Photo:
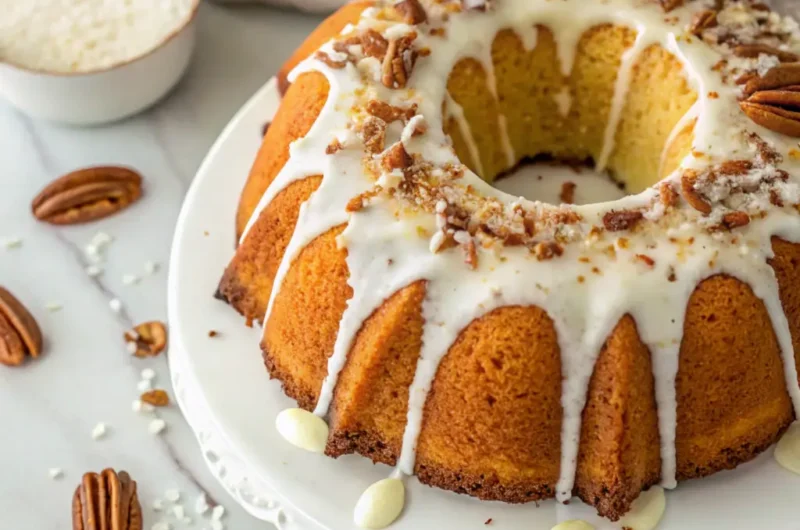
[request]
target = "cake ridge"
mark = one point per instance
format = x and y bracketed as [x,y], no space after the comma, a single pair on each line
[650,273]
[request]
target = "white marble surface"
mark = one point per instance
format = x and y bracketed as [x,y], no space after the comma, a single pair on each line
[49,407]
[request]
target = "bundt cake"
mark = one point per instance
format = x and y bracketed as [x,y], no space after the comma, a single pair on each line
[503,347]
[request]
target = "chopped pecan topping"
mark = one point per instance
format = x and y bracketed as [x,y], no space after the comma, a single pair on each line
[702,21]
[775,198]
[616,221]
[546,250]
[359,202]
[373,132]
[647,260]
[734,167]
[691,195]
[390,113]
[733,220]
[396,158]
[412,11]
[753,51]
[567,195]
[399,61]
[334,147]
[668,194]
[327,59]
[374,44]
[669,5]
[471,254]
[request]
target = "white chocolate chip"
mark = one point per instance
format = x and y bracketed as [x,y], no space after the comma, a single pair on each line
[787,452]
[99,431]
[156,427]
[115,305]
[218,512]
[55,473]
[647,510]
[178,511]
[53,306]
[201,504]
[380,504]
[144,385]
[303,429]
[172,495]
[148,374]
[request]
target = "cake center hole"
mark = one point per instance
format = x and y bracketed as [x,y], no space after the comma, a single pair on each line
[556,183]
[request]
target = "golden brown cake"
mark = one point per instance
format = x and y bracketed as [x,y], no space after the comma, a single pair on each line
[503,347]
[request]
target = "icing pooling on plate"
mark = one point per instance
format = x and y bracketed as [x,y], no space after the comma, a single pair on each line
[385,253]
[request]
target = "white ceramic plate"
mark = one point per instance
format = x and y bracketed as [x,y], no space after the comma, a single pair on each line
[227,397]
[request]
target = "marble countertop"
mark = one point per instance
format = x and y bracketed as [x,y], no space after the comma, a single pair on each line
[49,407]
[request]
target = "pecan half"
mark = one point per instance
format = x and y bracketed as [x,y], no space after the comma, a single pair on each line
[783,75]
[773,117]
[149,339]
[19,333]
[752,51]
[87,194]
[106,501]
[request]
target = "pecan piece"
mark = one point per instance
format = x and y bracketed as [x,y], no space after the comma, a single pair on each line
[691,195]
[330,61]
[412,11]
[106,501]
[702,21]
[619,220]
[396,158]
[752,51]
[399,62]
[669,5]
[373,132]
[147,339]
[157,398]
[736,219]
[19,333]
[87,194]
[390,113]
[374,44]
[567,195]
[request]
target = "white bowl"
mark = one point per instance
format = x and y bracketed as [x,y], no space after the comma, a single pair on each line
[86,98]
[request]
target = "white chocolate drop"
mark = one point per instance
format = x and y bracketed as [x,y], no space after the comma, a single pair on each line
[380,504]
[787,452]
[303,429]
[647,510]
[573,524]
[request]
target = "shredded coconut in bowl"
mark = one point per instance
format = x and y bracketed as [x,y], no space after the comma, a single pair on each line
[74,36]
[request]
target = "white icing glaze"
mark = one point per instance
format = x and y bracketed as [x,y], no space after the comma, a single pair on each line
[385,253]
[787,451]
[646,511]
